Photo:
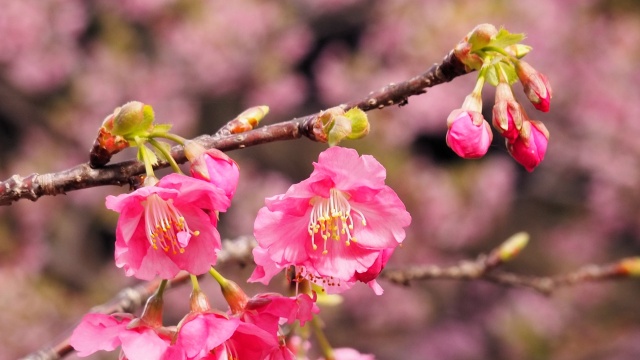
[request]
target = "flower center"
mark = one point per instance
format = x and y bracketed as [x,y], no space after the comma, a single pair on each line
[331,218]
[165,225]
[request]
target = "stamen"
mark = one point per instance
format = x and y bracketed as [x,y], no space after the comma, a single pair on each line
[163,224]
[332,219]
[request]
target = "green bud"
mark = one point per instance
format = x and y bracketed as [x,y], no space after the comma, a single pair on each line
[359,123]
[630,266]
[132,117]
[512,246]
[518,50]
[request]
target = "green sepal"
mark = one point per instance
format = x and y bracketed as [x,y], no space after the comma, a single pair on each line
[493,78]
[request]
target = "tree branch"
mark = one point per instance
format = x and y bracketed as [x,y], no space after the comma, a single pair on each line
[82,176]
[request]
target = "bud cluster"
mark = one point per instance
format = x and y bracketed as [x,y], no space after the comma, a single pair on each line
[496,54]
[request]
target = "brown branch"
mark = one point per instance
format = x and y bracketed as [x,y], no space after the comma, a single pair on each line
[482,269]
[82,176]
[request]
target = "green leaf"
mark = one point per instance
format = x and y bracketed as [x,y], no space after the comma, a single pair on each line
[491,76]
[509,71]
[504,38]
[161,128]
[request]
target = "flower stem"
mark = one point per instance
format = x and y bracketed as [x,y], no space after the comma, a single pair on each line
[194,282]
[173,137]
[161,288]
[148,167]
[218,277]
[167,155]
[323,342]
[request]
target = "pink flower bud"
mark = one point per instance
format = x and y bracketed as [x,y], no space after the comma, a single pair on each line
[507,113]
[536,86]
[213,166]
[469,135]
[529,148]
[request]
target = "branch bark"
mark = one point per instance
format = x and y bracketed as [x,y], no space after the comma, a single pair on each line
[82,176]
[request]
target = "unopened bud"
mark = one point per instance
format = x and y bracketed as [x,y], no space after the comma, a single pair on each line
[249,119]
[213,166]
[481,36]
[507,113]
[531,146]
[478,38]
[132,117]
[512,246]
[536,86]
[334,125]
[630,266]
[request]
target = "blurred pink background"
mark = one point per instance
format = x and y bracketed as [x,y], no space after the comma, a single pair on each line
[66,64]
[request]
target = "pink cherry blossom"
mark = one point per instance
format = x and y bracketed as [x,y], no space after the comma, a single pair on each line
[469,135]
[202,332]
[266,310]
[529,151]
[168,227]
[216,167]
[332,225]
[107,332]
[350,354]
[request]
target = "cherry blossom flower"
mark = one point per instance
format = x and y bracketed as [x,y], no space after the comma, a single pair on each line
[106,332]
[332,225]
[202,332]
[168,227]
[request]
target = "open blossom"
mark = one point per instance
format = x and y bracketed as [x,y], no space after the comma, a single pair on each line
[107,332]
[168,227]
[530,147]
[469,135]
[333,225]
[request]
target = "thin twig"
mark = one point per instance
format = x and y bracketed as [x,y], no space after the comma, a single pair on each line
[82,176]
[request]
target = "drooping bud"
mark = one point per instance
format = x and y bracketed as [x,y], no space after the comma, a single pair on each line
[507,113]
[530,147]
[132,117]
[536,86]
[469,135]
[214,166]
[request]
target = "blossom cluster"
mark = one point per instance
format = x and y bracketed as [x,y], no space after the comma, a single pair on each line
[336,228]
[496,54]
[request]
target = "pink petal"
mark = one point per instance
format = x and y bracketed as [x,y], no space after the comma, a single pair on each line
[97,332]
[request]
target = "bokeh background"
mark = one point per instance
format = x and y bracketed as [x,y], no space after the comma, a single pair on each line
[66,64]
